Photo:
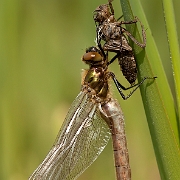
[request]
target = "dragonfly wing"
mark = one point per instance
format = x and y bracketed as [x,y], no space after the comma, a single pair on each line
[81,139]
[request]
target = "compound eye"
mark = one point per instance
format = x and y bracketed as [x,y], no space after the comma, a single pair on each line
[92,56]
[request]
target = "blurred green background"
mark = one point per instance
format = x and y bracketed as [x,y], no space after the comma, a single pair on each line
[41,45]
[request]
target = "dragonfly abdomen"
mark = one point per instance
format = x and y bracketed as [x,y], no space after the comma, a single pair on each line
[115,120]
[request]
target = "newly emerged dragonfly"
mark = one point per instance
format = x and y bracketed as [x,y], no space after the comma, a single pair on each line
[111,31]
[92,118]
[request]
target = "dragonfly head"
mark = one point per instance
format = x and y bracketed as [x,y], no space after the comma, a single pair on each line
[101,13]
[92,56]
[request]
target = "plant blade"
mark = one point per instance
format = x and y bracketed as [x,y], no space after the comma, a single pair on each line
[157,99]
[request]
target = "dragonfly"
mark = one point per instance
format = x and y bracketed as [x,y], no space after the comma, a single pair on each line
[92,119]
[111,31]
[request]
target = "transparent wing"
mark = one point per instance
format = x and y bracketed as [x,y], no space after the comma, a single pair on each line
[81,139]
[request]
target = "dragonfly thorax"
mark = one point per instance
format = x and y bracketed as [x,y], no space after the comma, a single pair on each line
[96,79]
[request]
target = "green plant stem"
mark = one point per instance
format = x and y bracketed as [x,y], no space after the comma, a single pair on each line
[173,47]
[157,98]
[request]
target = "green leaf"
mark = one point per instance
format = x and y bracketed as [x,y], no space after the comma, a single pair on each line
[157,98]
[173,46]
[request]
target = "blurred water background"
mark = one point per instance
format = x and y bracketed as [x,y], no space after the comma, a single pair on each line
[41,45]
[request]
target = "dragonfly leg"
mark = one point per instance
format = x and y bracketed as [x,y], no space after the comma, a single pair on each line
[120,87]
[143,44]
[114,58]
[111,6]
